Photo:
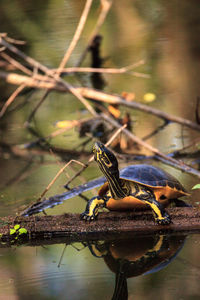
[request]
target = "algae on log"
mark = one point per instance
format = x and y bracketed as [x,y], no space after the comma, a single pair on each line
[108,223]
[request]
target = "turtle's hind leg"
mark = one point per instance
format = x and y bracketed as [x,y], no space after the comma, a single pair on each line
[160,215]
[92,208]
[147,196]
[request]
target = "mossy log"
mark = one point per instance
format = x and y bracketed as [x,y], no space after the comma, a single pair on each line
[70,228]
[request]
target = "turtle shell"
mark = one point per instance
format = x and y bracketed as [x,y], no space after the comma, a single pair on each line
[151,176]
[164,186]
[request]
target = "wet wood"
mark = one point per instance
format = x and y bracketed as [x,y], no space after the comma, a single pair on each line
[109,223]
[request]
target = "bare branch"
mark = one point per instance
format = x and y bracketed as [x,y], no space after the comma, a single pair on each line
[171,161]
[105,7]
[76,36]
[27,58]
[106,70]
[56,177]
[16,64]
[72,124]
[84,92]
[11,99]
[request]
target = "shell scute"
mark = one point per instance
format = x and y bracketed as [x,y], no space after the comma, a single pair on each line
[151,176]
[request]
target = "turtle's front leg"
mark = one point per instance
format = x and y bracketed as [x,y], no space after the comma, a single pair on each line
[92,208]
[160,214]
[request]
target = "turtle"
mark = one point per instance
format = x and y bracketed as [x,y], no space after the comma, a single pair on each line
[136,187]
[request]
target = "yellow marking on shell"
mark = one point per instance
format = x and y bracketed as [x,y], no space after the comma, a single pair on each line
[156,210]
[94,206]
[140,192]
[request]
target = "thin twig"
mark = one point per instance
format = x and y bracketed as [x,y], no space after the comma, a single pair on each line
[16,64]
[11,99]
[92,157]
[194,143]
[89,93]
[56,177]
[105,7]
[172,161]
[76,36]
[114,136]
[36,108]
[155,131]
[55,133]
[101,70]
[46,70]
[63,252]
[67,55]
[39,81]
[25,70]
[105,70]
[14,41]
[27,58]
[38,65]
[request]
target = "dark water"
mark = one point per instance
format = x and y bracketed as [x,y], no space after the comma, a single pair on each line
[141,267]
[166,35]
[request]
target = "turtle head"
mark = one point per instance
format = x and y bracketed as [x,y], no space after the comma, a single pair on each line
[106,160]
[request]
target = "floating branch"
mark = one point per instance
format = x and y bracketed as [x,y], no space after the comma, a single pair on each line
[52,201]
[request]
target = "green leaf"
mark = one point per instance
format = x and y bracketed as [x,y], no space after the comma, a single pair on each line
[22,231]
[196,186]
[16,227]
[12,231]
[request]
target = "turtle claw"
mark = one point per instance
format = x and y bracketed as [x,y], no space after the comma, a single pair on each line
[165,220]
[84,216]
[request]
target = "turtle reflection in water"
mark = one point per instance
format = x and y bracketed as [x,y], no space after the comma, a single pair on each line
[136,187]
[136,256]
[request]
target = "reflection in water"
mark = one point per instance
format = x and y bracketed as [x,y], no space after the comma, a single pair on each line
[57,272]
[136,256]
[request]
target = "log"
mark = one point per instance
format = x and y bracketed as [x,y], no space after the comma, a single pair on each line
[71,228]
